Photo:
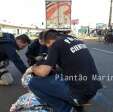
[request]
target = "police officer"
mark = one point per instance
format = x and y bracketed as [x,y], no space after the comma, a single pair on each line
[73,57]
[36,49]
[8,47]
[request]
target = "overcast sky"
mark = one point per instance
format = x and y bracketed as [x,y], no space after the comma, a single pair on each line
[27,12]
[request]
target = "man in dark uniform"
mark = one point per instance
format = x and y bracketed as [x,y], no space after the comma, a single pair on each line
[8,47]
[36,49]
[75,60]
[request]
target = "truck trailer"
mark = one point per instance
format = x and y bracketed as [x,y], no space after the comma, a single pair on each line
[58,14]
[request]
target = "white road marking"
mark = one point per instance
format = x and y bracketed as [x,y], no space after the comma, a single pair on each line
[104,51]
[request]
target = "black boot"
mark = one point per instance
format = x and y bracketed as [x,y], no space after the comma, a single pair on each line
[79,109]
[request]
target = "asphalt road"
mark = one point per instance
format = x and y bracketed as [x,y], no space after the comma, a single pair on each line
[103,56]
[9,94]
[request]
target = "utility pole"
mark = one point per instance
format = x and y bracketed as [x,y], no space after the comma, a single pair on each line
[110,14]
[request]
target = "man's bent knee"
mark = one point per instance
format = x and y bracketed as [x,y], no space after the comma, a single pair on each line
[35,83]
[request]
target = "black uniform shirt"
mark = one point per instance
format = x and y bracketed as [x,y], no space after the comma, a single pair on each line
[74,58]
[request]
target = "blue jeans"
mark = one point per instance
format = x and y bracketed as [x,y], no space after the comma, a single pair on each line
[54,92]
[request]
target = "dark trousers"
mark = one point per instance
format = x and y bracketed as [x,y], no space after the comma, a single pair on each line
[54,92]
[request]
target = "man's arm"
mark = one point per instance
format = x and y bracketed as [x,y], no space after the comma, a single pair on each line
[33,49]
[32,52]
[14,57]
[42,70]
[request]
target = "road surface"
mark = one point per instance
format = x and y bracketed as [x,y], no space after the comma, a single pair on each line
[103,56]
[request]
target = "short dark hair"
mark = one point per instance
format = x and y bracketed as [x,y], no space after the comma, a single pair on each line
[24,38]
[50,34]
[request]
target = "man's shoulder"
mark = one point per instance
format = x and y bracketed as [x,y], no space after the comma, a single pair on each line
[7,38]
[59,42]
[68,40]
[34,43]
